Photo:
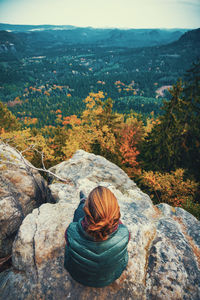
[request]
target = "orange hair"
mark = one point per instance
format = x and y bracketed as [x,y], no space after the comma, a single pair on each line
[102,213]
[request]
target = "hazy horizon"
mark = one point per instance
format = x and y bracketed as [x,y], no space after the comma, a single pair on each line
[108,27]
[126,14]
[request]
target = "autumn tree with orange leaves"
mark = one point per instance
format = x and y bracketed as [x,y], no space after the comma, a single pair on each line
[131,133]
[104,132]
[96,129]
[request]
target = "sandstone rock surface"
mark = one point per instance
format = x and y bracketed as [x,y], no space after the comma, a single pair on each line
[21,190]
[164,250]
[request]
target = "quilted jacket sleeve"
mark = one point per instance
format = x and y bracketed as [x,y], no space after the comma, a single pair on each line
[79,212]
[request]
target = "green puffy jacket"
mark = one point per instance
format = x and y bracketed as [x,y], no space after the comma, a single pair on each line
[92,263]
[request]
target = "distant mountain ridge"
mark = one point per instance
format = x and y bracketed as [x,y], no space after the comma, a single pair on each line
[192,35]
[25,28]
[189,41]
[130,38]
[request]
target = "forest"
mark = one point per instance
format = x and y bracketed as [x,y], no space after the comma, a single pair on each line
[137,107]
[36,80]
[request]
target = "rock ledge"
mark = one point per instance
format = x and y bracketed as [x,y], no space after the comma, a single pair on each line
[164,249]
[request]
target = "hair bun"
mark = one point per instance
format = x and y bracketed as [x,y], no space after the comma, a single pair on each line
[102,212]
[104,227]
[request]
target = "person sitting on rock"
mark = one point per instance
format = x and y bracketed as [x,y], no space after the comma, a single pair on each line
[96,241]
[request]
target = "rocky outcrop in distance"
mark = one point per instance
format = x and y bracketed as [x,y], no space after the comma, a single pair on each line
[164,250]
[21,190]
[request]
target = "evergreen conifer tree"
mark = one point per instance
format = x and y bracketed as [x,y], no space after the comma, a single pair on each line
[174,141]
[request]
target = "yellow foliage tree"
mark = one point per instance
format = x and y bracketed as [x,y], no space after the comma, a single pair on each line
[170,187]
[96,129]
[30,145]
[8,121]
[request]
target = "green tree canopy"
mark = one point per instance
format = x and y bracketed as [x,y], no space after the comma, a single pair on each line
[174,142]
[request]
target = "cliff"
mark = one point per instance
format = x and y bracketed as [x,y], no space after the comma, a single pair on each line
[164,250]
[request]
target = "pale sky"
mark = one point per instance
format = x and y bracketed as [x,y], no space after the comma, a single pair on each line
[103,13]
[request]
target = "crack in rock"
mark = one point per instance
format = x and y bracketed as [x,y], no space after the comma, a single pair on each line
[34,251]
[147,249]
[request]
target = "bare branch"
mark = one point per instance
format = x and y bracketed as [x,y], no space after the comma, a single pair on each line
[29,165]
[39,169]
[42,158]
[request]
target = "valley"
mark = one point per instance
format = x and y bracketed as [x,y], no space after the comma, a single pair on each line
[38,77]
